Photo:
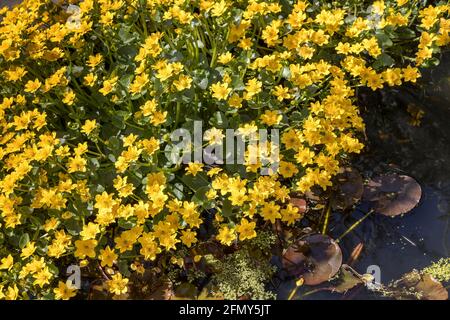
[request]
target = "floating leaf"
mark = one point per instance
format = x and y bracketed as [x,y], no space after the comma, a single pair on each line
[393,194]
[316,258]
[349,189]
[347,280]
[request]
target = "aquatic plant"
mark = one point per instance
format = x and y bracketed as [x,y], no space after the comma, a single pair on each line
[440,270]
[90,92]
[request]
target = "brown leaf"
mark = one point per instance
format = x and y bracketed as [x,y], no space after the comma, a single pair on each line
[347,280]
[315,258]
[431,289]
[348,190]
[393,194]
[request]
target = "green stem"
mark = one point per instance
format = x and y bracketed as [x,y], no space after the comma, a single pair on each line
[354,226]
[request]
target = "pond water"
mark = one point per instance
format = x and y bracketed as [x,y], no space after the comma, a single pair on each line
[398,245]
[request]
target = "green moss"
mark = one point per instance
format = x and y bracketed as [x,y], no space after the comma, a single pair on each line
[439,270]
[246,272]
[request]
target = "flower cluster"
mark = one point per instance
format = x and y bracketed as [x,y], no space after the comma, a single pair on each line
[91,90]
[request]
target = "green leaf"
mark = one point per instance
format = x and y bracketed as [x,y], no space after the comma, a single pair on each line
[383,40]
[123,268]
[195,182]
[219,120]
[118,121]
[298,116]
[177,190]
[126,224]
[432,62]
[24,239]
[227,208]
[114,143]
[383,60]
[72,226]
[405,34]
[200,197]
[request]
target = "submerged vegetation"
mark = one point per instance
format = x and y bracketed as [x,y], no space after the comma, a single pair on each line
[92,90]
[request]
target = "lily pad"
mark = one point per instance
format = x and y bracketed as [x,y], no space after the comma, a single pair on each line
[349,189]
[393,194]
[347,280]
[315,258]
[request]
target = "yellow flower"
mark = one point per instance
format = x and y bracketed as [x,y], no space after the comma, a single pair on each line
[107,257]
[12,293]
[220,90]
[89,231]
[89,79]
[42,277]
[290,214]
[125,241]
[7,263]
[225,58]
[214,136]
[85,248]
[149,246]
[51,224]
[69,97]
[89,126]
[94,60]
[226,235]
[252,88]
[104,202]
[77,164]
[108,86]
[291,139]
[188,237]
[235,101]
[158,118]
[139,82]
[149,107]
[271,117]
[64,291]
[219,8]
[270,33]
[183,82]
[32,86]
[246,230]
[304,156]
[281,93]
[410,74]
[28,250]
[270,212]
[287,169]
[169,243]
[213,171]
[117,285]
[193,168]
